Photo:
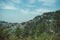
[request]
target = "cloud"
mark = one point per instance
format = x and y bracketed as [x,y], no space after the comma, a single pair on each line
[24,11]
[4,5]
[9,7]
[27,10]
[37,11]
[16,1]
[41,10]
[47,2]
[30,6]
[32,1]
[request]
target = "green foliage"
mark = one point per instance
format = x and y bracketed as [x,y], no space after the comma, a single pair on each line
[45,28]
[19,32]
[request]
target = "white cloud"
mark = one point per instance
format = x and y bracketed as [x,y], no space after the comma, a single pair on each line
[16,1]
[32,1]
[6,6]
[41,10]
[37,11]
[30,6]
[9,7]
[24,11]
[48,2]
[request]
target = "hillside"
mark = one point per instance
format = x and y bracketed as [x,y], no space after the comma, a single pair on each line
[42,27]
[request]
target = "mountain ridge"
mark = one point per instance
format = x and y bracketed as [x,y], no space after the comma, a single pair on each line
[46,24]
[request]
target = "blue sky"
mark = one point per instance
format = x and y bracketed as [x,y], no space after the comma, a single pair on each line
[24,10]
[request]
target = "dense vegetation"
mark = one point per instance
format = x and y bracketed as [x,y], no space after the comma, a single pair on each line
[42,27]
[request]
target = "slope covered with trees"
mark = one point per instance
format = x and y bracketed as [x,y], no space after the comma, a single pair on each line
[42,27]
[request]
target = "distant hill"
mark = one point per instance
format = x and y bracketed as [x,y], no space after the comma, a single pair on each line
[47,23]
